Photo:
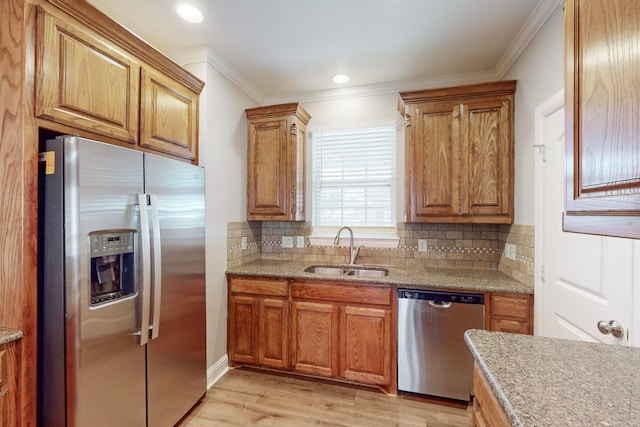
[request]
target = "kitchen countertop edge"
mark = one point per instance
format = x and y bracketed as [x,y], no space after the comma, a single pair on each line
[8,335]
[495,387]
[412,276]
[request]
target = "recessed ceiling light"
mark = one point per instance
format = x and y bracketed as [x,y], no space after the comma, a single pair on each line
[189,13]
[340,79]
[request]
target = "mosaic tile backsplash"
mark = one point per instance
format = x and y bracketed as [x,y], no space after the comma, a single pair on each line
[468,246]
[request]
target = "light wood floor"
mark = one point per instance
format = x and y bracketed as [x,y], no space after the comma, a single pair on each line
[248,398]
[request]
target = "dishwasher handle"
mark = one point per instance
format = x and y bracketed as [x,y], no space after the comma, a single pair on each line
[439,304]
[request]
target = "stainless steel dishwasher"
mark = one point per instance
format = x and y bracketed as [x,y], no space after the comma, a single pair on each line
[433,358]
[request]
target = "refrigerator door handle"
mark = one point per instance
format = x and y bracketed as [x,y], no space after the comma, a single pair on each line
[146,269]
[157,267]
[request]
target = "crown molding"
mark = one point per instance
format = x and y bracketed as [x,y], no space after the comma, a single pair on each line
[385,88]
[536,20]
[200,54]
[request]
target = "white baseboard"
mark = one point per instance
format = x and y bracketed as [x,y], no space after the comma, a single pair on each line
[215,372]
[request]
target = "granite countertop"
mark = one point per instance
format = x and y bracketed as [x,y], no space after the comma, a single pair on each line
[554,382]
[7,335]
[414,276]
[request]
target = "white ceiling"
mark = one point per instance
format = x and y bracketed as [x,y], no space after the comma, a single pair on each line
[279,49]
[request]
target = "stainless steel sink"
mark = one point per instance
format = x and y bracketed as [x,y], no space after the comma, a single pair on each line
[347,270]
[368,272]
[325,270]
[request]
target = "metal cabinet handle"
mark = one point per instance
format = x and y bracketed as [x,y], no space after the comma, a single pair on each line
[612,327]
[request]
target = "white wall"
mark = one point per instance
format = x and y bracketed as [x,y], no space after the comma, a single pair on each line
[223,153]
[540,74]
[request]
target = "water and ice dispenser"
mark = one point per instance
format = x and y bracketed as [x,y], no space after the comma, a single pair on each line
[112,265]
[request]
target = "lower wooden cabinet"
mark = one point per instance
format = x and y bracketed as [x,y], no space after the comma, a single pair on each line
[314,338]
[273,336]
[366,344]
[510,313]
[258,323]
[341,330]
[487,412]
[350,342]
[329,329]
[9,384]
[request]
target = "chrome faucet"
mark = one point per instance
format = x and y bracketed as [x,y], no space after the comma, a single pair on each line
[353,252]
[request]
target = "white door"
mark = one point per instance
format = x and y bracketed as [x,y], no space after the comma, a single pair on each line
[580,279]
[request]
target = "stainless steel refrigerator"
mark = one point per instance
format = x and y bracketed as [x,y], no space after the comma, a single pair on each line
[122,287]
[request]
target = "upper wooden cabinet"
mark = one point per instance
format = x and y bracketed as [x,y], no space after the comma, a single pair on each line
[276,162]
[459,153]
[168,115]
[86,80]
[601,103]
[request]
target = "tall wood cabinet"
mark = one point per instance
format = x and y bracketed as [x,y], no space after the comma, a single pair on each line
[602,58]
[276,162]
[460,153]
[67,68]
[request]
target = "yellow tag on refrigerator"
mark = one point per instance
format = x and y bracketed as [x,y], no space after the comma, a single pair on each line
[50,162]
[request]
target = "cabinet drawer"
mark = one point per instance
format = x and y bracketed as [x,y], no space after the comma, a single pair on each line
[510,325]
[513,306]
[342,293]
[258,286]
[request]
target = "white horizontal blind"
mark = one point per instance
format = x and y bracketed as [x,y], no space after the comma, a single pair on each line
[354,174]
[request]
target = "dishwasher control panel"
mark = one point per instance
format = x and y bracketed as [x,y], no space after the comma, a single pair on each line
[456,297]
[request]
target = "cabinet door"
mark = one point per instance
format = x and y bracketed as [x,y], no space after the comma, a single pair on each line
[274,333]
[84,81]
[602,58]
[297,153]
[9,384]
[314,338]
[365,347]
[486,407]
[267,170]
[168,116]
[487,160]
[243,329]
[433,187]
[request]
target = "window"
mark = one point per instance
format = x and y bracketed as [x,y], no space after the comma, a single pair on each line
[354,178]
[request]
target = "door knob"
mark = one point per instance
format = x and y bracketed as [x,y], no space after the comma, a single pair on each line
[612,327]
